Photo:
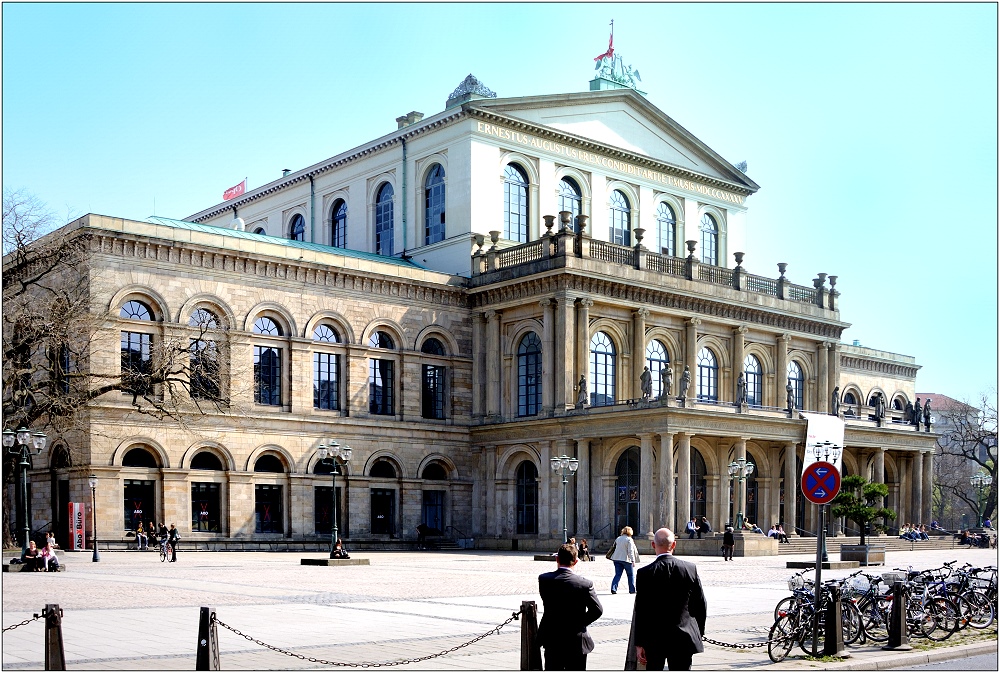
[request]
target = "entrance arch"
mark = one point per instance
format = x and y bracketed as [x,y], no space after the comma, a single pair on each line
[627,492]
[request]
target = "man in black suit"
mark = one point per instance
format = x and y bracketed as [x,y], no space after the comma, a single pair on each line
[569,605]
[670,609]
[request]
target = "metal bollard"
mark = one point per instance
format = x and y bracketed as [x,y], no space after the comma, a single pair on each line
[898,638]
[208,642]
[55,658]
[833,641]
[531,653]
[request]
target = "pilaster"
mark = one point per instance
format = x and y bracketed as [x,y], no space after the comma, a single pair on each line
[639,317]
[582,488]
[823,378]
[493,363]
[683,514]
[478,362]
[691,355]
[548,359]
[667,488]
[582,339]
[791,488]
[646,500]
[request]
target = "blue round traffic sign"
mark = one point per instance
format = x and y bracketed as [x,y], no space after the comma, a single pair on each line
[820,482]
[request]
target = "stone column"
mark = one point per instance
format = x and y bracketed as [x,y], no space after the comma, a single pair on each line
[823,387]
[774,501]
[490,477]
[478,353]
[241,504]
[834,356]
[582,488]
[739,348]
[493,364]
[917,487]
[904,484]
[667,488]
[740,499]
[928,487]
[716,502]
[582,341]
[647,499]
[548,357]
[691,356]
[683,514]
[638,350]
[563,349]
[879,476]
[781,371]
[546,503]
[791,487]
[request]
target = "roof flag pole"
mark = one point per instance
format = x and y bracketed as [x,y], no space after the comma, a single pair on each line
[611,42]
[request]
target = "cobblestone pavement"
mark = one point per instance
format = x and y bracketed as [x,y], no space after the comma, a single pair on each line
[131,611]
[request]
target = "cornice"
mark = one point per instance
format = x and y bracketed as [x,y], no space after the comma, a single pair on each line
[877,366]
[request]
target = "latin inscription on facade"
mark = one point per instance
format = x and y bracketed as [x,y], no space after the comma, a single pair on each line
[529,140]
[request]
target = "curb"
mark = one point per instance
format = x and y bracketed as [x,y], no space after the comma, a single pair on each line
[915,658]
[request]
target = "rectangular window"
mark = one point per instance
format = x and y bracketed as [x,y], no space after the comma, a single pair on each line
[326,367]
[383,508]
[59,365]
[205,514]
[433,511]
[433,392]
[205,375]
[267,375]
[136,362]
[380,384]
[267,509]
[323,506]
[139,499]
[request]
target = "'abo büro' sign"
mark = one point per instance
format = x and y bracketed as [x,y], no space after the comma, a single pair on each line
[820,482]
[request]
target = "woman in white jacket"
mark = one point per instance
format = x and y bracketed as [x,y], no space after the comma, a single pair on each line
[625,557]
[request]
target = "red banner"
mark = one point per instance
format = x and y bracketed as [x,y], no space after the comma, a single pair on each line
[233,192]
[610,51]
[77,521]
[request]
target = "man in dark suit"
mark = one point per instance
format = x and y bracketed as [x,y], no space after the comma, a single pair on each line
[569,605]
[670,609]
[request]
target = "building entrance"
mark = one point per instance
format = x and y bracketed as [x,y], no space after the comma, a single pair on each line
[139,502]
[627,490]
[383,511]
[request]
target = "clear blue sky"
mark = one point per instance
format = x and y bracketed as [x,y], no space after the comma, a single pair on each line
[872,129]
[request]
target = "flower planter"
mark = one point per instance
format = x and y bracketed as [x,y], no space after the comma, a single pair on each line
[865,554]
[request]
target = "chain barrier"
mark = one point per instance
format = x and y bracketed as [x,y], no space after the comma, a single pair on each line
[737,646]
[366,664]
[26,621]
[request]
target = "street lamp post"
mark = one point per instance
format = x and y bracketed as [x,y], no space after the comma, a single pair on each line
[329,455]
[93,509]
[829,452]
[24,439]
[740,469]
[564,466]
[980,481]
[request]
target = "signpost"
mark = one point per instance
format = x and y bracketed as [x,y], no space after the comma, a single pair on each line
[820,484]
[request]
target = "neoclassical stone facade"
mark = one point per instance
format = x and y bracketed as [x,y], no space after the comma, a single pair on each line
[435,299]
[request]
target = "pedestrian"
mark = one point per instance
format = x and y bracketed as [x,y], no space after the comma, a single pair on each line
[569,606]
[691,528]
[728,543]
[173,537]
[704,527]
[625,556]
[670,609]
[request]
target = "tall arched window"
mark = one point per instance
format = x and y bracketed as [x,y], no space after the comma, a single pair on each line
[570,198]
[602,370]
[434,205]
[621,219]
[526,498]
[755,386]
[666,229]
[136,349]
[267,364]
[708,376]
[297,228]
[656,359]
[627,490]
[383,221]
[338,223]
[709,240]
[797,381]
[381,381]
[432,388]
[515,204]
[699,485]
[326,370]
[205,373]
[529,375]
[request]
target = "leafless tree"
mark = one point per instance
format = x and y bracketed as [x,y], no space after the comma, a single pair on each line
[968,444]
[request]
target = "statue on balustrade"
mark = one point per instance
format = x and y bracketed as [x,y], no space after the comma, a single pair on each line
[917,412]
[581,396]
[646,383]
[927,416]
[835,401]
[909,411]
[741,390]
[879,408]
[789,396]
[685,382]
[666,382]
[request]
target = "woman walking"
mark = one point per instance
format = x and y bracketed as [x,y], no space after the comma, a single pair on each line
[728,542]
[173,537]
[625,556]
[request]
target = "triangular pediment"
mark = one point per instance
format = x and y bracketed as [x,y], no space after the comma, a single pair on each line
[625,120]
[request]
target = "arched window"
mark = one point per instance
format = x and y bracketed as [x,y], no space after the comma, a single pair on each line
[708,376]
[382,469]
[434,205]
[297,229]
[206,460]
[849,398]
[204,319]
[627,490]
[699,485]
[267,364]
[797,381]
[260,230]
[529,375]
[205,374]
[326,334]
[432,346]
[709,240]
[381,379]
[264,325]
[621,219]
[268,463]
[383,221]
[435,471]
[432,393]
[338,222]
[139,457]
[515,204]
[602,370]
[755,386]
[526,498]
[326,370]
[657,360]
[136,310]
[666,229]
[570,198]
[898,404]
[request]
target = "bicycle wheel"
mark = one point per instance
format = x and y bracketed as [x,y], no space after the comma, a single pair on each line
[806,633]
[981,612]
[875,620]
[942,618]
[163,553]
[780,638]
[785,605]
[850,619]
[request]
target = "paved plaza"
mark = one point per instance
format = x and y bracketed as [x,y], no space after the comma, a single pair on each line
[131,611]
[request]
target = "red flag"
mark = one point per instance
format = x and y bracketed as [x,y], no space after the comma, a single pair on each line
[233,192]
[611,49]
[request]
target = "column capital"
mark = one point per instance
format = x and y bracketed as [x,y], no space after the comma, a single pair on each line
[546,302]
[584,302]
[641,313]
[491,314]
[693,322]
[785,337]
[741,329]
[825,345]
